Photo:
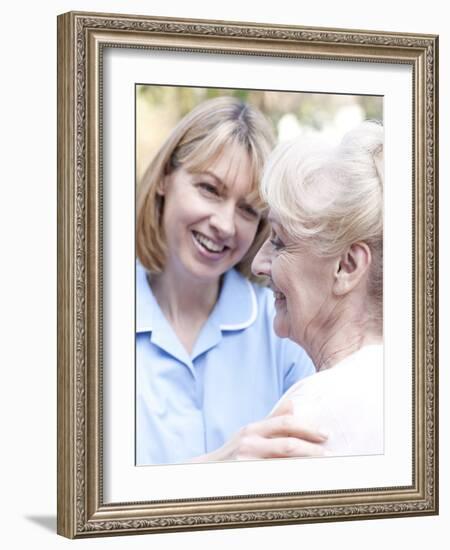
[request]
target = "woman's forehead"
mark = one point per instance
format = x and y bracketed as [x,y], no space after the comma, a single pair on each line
[208,158]
[234,162]
[231,166]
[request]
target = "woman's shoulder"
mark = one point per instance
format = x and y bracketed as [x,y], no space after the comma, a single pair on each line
[362,369]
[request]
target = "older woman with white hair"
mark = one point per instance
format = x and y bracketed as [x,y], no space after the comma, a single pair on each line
[324,260]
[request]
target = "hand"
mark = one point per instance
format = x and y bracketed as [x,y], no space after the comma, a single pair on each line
[281,435]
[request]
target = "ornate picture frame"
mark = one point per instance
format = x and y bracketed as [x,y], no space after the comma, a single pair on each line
[83,39]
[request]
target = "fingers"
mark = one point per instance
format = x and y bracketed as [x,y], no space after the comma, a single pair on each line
[281,447]
[274,437]
[287,426]
[279,436]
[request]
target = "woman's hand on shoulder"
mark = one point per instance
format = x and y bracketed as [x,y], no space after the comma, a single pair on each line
[281,435]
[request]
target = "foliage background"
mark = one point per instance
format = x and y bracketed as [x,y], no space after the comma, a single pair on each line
[159,108]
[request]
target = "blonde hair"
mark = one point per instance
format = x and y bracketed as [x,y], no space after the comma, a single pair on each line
[330,197]
[195,143]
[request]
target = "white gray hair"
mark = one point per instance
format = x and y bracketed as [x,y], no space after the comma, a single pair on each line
[328,197]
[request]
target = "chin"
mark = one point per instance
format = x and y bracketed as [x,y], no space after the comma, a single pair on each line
[280,327]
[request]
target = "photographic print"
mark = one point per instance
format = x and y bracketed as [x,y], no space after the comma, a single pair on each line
[211,371]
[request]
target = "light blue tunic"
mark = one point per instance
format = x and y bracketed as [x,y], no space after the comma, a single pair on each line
[189,405]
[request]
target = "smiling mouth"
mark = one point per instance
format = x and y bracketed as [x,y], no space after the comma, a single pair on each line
[279,296]
[208,244]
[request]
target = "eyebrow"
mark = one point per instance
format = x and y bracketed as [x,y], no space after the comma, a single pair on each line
[212,175]
[220,182]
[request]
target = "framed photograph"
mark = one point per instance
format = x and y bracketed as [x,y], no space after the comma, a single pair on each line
[177,141]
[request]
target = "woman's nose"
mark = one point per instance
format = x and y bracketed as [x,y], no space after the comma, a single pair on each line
[261,265]
[223,221]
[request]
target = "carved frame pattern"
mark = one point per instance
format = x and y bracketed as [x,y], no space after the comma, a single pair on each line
[81,37]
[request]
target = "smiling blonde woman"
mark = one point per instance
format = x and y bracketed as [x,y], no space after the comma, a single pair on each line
[208,366]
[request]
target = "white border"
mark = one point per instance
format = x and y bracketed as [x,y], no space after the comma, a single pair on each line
[123,482]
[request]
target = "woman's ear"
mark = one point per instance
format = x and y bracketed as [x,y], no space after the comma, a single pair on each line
[351,267]
[162,185]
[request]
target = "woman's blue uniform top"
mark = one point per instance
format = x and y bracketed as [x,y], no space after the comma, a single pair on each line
[189,405]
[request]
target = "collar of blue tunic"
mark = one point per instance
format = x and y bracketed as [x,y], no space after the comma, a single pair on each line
[236,309]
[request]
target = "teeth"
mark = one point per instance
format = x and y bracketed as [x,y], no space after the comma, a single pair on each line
[208,243]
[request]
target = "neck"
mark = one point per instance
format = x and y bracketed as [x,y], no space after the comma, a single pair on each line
[184,301]
[346,331]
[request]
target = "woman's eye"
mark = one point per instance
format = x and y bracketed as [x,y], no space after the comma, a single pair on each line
[250,210]
[208,188]
[276,242]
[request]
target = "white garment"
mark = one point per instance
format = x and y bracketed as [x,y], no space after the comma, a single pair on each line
[346,403]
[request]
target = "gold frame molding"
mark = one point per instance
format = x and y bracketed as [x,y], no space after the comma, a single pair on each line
[81,39]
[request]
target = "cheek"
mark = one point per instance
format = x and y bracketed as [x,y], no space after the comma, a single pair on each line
[191,210]
[281,322]
[280,270]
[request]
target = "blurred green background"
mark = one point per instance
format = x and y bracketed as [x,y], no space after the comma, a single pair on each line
[159,108]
